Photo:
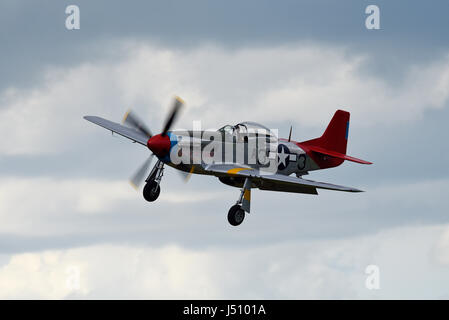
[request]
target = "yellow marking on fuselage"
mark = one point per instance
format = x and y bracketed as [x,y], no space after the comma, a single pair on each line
[237,170]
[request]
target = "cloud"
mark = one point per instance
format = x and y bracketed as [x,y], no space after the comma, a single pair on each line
[59,219]
[300,83]
[323,269]
[61,213]
[24,202]
[441,249]
[181,247]
[51,207]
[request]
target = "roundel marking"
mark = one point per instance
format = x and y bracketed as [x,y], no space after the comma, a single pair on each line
[283,156]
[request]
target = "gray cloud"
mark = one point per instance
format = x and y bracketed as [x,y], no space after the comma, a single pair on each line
[33,35]
[297,269]
[64,199]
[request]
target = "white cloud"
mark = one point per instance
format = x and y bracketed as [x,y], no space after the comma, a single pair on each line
[50,206]
[306,269]
[43,276]
[24,202]
[304,84]
[272,264]
[77,210]
[441,249]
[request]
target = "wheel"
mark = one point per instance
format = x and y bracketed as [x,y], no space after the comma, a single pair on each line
[151,191]
[236,215]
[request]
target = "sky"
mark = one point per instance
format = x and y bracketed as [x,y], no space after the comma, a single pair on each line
[71,225]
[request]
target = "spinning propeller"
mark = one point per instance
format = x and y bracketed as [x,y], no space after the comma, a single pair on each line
[159,144]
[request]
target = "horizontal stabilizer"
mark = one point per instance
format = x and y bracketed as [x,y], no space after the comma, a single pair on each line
[336,154]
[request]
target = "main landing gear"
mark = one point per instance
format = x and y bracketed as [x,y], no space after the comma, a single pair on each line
[152,187]
[236,214]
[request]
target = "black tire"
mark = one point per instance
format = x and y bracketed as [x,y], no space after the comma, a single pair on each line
[236,215]
[151,191]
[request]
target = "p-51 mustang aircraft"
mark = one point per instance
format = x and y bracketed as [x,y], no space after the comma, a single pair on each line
[247,155]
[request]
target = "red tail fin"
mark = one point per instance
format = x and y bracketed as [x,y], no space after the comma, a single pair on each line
[332,143]
[335,138]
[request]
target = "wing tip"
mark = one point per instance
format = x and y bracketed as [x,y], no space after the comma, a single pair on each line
[126,116]
[135,187]
[89,118]
[179,99]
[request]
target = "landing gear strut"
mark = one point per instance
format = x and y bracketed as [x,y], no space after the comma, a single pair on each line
[152,189]
[236,214]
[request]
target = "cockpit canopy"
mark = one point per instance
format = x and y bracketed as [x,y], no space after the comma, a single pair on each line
[247,129]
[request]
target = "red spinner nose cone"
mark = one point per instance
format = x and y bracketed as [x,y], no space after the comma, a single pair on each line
[159,145]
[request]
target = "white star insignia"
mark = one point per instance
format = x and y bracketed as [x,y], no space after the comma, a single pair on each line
[282,157]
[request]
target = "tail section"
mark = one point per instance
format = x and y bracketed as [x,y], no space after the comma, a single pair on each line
[335,138]
[329,150]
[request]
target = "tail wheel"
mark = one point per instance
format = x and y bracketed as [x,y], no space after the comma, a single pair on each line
[236,215]
[151,191]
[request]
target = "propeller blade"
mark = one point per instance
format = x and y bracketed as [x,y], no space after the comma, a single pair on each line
[173,114]
[137,178]
[186,175]
[290,134]
[132,120]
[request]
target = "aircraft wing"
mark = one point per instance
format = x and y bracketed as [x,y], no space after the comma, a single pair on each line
[129,133]
[274,182]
